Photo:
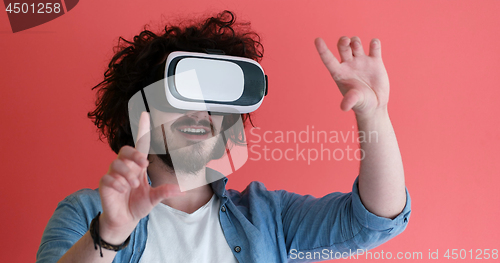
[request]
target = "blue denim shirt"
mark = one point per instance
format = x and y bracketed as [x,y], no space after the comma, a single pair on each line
[259,225]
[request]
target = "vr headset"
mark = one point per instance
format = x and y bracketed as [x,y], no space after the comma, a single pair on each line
[216,83]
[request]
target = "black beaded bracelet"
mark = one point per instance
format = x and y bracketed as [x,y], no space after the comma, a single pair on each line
[94,233]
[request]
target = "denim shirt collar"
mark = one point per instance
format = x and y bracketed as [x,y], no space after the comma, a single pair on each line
[218,182]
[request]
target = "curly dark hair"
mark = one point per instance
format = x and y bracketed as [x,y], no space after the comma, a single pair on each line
[134,60]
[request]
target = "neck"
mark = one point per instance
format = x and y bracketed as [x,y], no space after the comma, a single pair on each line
[197,191]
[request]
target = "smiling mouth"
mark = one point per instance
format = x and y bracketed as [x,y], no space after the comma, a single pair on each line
[193,131]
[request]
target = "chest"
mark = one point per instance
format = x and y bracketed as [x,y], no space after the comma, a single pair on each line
[176,236]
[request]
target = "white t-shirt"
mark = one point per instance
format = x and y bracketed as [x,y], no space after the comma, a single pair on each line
[176,236]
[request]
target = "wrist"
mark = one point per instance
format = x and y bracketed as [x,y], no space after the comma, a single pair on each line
[113,234]
[99,243]
[373,115]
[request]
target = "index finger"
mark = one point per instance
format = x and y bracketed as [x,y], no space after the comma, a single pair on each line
[143,134]
[326,55]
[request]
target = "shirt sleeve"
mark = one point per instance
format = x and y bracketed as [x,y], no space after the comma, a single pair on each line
[338,222]
[67,225]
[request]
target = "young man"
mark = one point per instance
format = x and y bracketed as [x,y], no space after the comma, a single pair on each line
[140,211]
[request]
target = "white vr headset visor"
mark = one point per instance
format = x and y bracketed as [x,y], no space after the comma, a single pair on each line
[215,83]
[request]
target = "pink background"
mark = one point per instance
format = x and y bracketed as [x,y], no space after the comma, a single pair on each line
[443,60]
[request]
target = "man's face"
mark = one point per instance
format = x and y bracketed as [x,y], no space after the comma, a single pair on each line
[185,141]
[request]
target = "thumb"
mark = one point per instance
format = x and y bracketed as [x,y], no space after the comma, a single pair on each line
[164,191]
[353,98]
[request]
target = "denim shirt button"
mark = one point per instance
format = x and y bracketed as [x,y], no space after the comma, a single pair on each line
[237,249]
[223,209]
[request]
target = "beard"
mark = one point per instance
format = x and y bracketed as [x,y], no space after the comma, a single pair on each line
[185,156]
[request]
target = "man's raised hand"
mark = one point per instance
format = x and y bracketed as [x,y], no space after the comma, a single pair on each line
[362,79]
[126,195]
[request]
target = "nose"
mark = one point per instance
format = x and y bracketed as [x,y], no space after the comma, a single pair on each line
[198,115]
